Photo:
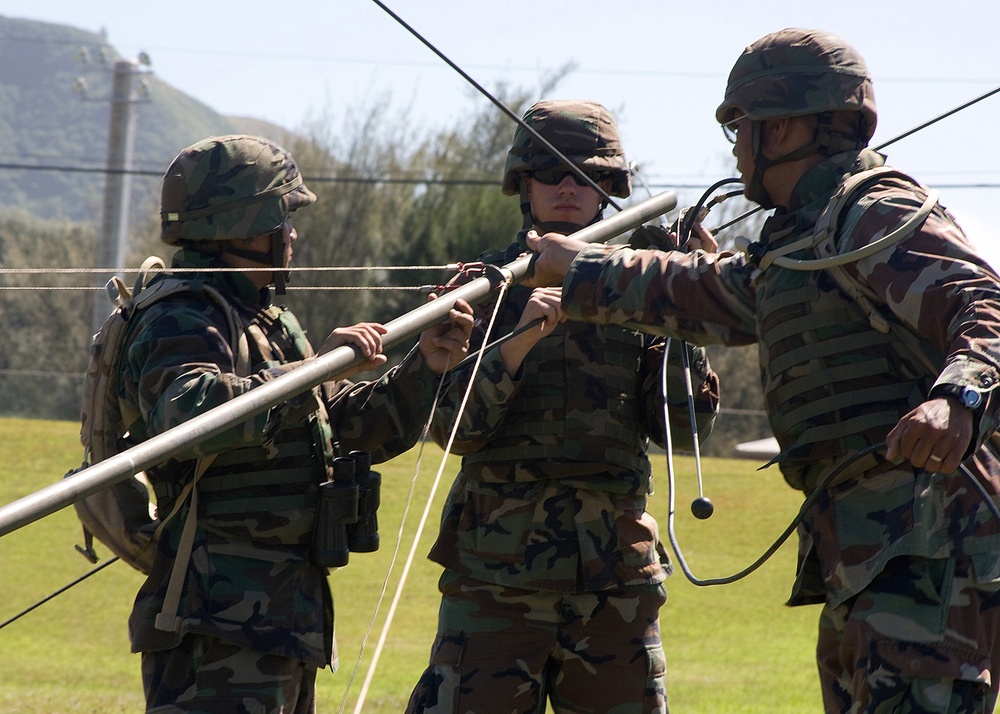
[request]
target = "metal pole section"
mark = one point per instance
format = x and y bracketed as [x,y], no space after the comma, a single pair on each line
[55,496]
[113,238]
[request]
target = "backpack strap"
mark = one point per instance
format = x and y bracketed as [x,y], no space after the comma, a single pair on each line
[167,619]
[828,226]
[110,515]
[824,236]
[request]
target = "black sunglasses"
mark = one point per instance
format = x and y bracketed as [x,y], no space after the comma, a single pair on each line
[554,177]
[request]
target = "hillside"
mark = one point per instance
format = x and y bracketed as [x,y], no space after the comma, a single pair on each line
[44,122]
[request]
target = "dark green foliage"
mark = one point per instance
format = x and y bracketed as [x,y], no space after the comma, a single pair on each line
[45,353]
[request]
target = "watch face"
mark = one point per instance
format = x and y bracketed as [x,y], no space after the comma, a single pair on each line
[971,397]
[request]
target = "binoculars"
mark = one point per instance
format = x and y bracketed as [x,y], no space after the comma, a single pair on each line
[346,516]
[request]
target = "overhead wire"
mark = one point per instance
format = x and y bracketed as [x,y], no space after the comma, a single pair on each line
[664,183]
[423,181]
[887,143]
[362,696]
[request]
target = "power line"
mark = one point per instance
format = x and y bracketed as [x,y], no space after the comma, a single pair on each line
[405,180]
[534,69]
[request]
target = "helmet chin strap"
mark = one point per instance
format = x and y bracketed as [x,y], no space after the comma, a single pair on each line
[274,257]
[564,227]
[281,277]
[755,190]
[825,141]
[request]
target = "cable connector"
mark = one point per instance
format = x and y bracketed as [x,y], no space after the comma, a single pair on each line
[463,273]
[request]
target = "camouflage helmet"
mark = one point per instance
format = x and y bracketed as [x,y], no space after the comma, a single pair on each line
[584,131]
[229,188]
[797,72]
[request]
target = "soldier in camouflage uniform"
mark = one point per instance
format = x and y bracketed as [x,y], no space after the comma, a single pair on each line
[878,369]
[255,616]
[553,569]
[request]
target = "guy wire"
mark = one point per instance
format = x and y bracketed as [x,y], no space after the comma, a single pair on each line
[884,144]
[359,705]
[502,107]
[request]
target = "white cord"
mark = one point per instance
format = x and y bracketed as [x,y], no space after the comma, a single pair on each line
[363,695]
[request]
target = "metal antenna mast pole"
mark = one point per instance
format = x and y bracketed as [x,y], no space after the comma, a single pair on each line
[79,485]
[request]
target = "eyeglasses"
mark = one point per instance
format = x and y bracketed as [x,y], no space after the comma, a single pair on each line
[731,128]
[554,177]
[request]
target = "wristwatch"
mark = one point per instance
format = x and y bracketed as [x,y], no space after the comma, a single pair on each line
[970,397]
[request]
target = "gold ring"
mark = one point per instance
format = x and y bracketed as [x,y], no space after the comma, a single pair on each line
[934,458]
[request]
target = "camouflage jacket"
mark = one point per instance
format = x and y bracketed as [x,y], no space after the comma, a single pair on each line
[834,385]
[552,492]
[249,580]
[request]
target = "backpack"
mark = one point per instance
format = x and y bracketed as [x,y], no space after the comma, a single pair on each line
[122,516]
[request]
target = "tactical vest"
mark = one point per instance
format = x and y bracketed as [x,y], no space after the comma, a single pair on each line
[831,383]
[578,402]
[266,494]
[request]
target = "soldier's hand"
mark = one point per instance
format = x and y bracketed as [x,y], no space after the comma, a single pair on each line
[541,314]
[555,253]
[700,239]
[366,336]
[445,345]
[934,436]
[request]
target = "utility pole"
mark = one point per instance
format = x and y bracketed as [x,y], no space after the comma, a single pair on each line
[112,241]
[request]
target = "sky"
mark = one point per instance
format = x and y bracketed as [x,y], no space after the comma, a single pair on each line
[659,65]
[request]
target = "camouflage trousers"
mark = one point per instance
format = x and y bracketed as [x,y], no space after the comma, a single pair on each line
[500,650]
[923,637]
[204,675]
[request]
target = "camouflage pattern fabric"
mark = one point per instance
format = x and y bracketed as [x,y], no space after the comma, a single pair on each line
[862,669]
[204,675]
[496,644]
[249,582]
[796,72]
[553,566]
[584,132]
[932,282]
[558,503]
[229,188]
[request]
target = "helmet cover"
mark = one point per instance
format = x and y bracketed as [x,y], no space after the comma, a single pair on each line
[584,131]
[795,72]
[229,188]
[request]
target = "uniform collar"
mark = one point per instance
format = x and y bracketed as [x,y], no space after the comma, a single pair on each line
[814,190]
[229,283]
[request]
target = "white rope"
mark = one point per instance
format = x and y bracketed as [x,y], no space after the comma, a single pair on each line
[303,269]
[395,550]
[314,269]
[288,288]
[359,705]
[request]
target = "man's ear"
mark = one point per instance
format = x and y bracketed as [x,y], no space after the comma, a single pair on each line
[776,131]
[789,133]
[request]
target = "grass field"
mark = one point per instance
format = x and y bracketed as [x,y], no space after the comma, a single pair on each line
[732,648]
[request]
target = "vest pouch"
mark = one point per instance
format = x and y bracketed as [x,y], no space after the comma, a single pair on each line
[362,536]
[338,507]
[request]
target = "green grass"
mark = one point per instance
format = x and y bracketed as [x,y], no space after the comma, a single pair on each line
[731,648]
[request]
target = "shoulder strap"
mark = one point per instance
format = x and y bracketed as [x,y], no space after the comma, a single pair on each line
[823,238]
[167,619]
[828,227]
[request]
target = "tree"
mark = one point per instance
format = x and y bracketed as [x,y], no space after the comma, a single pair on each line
[388,194]
[46,350]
